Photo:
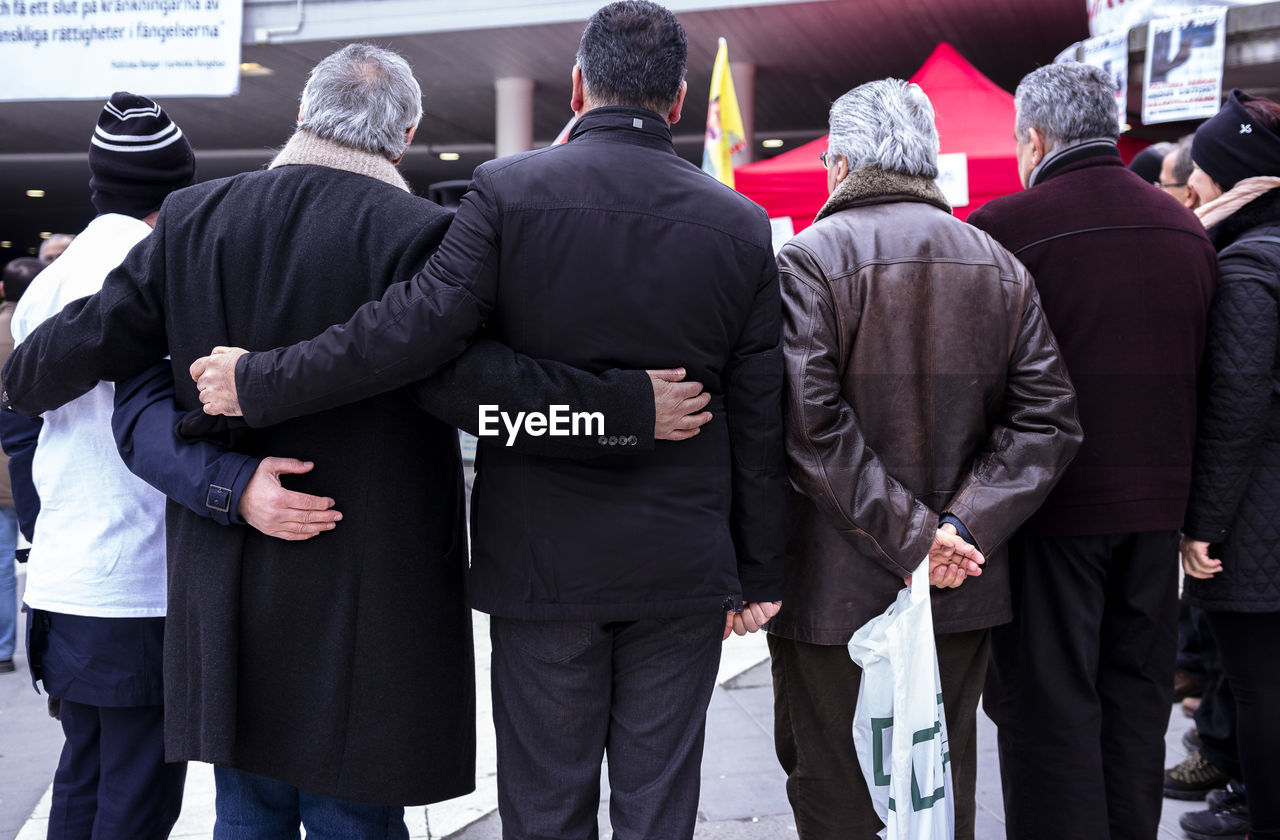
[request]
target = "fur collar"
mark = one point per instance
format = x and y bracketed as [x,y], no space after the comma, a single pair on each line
[306,148]
[1265,209]
[874,182]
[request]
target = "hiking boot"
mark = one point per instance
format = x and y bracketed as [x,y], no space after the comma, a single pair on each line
[1192,778]
[1230,822]
[1216,800]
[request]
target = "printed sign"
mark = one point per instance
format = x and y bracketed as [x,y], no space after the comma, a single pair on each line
[782,229]
[953,178]
[88,49]
[1183,72]
[1111,54]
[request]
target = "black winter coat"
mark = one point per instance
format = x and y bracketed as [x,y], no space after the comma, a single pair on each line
[608,251]
[1235,492]
[343,664]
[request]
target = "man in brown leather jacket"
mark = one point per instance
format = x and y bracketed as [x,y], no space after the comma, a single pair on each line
[923,389]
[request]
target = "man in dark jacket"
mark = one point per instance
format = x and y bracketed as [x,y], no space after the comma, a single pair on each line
[925,398]
[608,582]
[1082,679]
[332,678]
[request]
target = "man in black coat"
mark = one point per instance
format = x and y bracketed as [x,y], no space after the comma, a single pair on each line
[1081,681]
[608,582]
[328,679]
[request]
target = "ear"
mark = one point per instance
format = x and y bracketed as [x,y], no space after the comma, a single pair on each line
[1039,148]
[577,98]
[673,116]
[841,167]
[408,138]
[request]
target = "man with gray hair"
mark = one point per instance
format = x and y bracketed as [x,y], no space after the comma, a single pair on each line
[52,248]
[928,413]
[329,680]
[1082,678]
[609,584]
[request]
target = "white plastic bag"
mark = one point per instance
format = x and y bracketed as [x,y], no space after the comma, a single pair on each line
[899,728]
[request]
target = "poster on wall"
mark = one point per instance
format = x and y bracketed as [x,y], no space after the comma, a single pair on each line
[88,49]
[1183,72]
[953,178]
[1111,54]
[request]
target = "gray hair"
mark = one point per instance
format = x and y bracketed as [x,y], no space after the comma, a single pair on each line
[1182,162]
[364,97]
[1067,102]
[59,241]
[889,124]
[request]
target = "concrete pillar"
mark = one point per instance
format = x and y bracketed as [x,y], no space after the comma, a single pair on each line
[744,85]
[514,115]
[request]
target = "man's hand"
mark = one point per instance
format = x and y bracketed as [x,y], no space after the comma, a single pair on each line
[1196,560]
[281,513]
[951,559]
[676,405]
[754,615]
[215,376]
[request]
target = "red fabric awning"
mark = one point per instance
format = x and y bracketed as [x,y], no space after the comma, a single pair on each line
[974,116]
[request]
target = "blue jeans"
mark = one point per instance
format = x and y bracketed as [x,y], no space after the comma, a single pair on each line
[565,692]
[8,581]
[251,807]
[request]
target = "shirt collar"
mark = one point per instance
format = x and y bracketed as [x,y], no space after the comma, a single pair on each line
[623,122]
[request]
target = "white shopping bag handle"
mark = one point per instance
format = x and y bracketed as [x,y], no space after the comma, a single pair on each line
[920,581]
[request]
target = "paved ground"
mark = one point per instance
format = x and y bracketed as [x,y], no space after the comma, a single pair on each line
[737,804]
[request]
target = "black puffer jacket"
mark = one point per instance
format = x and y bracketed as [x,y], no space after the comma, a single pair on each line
[1235,493]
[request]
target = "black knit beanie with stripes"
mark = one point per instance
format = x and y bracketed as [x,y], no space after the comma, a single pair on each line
[137,157]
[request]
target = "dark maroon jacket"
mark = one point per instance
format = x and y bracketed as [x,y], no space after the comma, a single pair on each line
[1125,274]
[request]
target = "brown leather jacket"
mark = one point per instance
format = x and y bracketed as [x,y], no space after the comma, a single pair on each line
[921,379]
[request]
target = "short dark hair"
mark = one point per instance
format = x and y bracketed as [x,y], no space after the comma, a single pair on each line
[633,52]
[17,276]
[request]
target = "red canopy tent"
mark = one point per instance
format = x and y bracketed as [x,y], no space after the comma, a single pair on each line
[974,116]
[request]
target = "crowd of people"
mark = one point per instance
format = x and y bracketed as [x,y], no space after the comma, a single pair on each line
[1049,403]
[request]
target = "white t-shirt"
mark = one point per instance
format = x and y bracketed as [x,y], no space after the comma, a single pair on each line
[99,545]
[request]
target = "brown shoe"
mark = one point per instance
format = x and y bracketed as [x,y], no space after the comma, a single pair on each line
[1185,685]
[1189,706]
[1192,778]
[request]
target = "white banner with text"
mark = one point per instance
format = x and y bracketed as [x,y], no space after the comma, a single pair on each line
[89,49]
[1183,71]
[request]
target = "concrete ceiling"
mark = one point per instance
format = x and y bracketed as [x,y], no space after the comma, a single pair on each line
[806,55]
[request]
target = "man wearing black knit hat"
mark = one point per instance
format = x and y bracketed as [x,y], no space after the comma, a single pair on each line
[96,581]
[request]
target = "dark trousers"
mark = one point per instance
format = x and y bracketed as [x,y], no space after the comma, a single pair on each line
[815,690]
[565,692]
[1216,716]
[112,781]
[1081,682]
[251,807]
[1190,655]
[1249,643]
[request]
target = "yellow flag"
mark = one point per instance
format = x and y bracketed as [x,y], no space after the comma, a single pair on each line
[725,135]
